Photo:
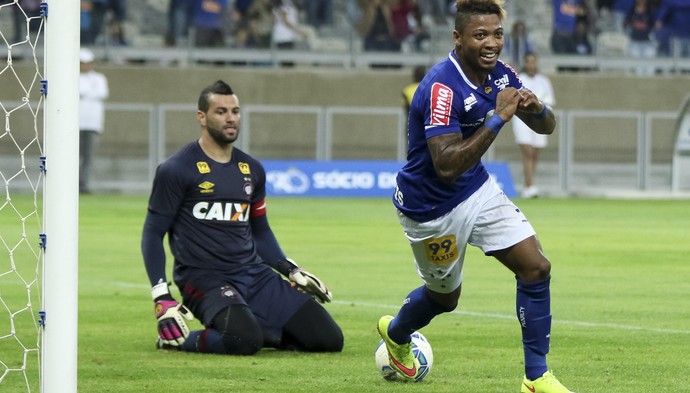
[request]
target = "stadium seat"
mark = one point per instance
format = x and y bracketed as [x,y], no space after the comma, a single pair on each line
[612,44]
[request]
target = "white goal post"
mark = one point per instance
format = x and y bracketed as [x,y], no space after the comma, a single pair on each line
[61,198]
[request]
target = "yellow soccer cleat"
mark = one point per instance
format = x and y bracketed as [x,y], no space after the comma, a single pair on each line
[547,383]
[400,356]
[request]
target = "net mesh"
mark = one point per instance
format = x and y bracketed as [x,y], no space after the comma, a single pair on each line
[21,174]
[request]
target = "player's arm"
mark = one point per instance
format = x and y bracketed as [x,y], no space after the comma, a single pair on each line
[171,315]
[535,113]
[152,249]
[452,154]
[269,250]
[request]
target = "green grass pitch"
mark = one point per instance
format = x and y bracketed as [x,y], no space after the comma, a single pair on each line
[620,303]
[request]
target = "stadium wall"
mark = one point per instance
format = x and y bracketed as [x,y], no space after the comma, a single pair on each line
[292,136]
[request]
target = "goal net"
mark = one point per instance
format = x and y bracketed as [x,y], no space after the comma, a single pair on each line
[39,211]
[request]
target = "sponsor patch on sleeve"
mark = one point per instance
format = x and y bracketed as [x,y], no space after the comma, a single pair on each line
[441,101]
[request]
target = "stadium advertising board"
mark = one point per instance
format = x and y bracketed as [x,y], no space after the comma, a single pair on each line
[349,178]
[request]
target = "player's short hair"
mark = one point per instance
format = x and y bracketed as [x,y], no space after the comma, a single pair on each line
[218,87]
[467,8]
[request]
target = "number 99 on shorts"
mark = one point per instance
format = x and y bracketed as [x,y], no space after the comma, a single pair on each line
[441,250]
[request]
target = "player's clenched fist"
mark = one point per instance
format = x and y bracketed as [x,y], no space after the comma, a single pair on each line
[529,102]
[507,102]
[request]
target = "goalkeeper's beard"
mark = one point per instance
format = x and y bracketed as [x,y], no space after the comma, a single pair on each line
[223,137]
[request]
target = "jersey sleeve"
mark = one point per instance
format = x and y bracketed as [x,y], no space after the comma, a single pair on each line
[267,245]
[437,106]
[166,197]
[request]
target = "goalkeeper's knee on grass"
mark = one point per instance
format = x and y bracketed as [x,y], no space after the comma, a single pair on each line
[240,333]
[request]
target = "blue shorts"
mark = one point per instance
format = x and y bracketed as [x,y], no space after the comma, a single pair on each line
[271,298]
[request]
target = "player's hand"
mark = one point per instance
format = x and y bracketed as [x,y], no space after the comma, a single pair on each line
[309,283]
[507,102]
[172,327]
[529,103]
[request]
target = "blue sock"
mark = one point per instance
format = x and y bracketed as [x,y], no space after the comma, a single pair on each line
[417,311]
[533,308]
[204,341]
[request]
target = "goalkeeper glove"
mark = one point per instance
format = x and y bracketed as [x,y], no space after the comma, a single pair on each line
[171,316]
[307,282]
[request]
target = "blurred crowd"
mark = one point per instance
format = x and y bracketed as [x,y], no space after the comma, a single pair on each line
[384,25]
[651,28]
[645,29]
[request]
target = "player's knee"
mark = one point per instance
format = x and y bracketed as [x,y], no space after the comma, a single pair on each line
[333,342]
[245,343]
[540,270]
[240,331]
[447,302]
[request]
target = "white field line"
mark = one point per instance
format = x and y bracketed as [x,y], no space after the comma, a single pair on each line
[479,314]
[513,317]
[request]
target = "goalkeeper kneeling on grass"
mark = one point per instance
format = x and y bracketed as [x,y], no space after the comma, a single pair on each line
[208,199]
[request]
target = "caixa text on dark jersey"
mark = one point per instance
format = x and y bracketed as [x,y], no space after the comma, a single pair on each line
[221,211]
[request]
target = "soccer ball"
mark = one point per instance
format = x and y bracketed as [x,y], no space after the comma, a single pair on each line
[421,350]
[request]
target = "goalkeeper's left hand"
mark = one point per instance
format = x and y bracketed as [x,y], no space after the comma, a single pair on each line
[308,283]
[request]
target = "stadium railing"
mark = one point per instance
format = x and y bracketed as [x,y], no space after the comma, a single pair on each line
[586,155]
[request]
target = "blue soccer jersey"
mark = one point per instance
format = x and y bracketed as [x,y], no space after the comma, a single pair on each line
[210,205]
[446,101]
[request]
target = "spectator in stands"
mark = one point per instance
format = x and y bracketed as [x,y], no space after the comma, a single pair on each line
[179,18]
[253,25]
[241,7]
[319,12]
[408,27]
[376,26]
[385,25]
[93,14]
[437,10]
[99,8]
[287,29]
[673,25]
[118,8]
[584,23]
[517,44]
[604,5]
[93,90]
[621,9]
[639,23]
[353,12]
[529,141]
[210,22]
[565,15]
[85,22]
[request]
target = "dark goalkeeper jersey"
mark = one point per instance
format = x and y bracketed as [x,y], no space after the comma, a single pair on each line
[210,205]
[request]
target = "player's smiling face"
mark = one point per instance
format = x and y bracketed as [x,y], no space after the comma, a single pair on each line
[222,120]
[479,44]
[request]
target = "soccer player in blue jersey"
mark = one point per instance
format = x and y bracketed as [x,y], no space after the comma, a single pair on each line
[208,198]
[446,199]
